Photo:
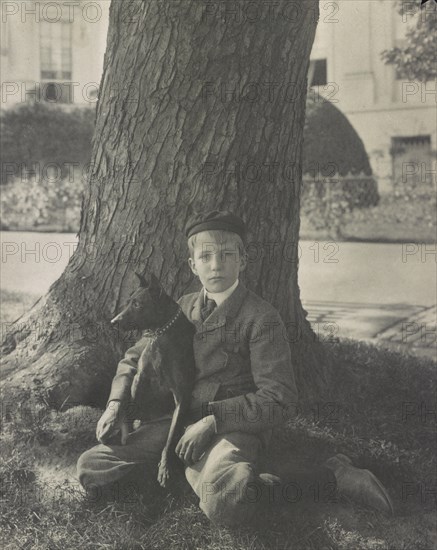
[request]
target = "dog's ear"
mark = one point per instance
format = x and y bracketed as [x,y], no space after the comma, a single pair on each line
[143,282]
[155,286]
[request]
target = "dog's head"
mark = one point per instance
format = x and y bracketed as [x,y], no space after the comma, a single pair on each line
[146,306]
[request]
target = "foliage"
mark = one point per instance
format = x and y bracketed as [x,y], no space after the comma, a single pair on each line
[416,59]
[32,203]
[331,144]
[394,219]
[337,173]
[326,202]
[44,137]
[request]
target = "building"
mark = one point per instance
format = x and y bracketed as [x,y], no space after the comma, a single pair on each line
[395,118]
[53,51]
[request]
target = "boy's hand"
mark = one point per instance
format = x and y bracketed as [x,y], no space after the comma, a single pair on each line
[195,440]
[110,422]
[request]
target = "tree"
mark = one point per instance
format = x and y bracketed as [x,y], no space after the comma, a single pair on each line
[202,106]
[416,59]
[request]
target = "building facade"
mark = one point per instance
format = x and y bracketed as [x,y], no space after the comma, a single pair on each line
[53,51]
[395,118]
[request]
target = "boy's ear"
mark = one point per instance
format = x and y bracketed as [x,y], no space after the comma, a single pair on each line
[192,266]
[243,262]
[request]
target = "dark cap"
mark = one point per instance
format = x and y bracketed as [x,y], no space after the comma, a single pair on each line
[215,219]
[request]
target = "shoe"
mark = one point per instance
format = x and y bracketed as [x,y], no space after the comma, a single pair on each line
[359,484]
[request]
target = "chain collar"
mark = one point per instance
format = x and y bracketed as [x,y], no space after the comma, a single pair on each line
[162,330]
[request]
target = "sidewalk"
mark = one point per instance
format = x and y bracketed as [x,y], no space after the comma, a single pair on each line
[402,327]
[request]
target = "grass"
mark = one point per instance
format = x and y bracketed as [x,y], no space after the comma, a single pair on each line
[375,413]
[14,304]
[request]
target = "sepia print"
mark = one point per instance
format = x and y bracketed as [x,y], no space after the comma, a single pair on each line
[218,274]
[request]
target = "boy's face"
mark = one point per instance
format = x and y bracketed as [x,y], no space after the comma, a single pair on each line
[217,264]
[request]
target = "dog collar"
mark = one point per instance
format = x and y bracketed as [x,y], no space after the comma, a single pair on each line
[161,330]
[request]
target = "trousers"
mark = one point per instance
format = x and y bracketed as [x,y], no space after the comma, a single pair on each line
[226,479]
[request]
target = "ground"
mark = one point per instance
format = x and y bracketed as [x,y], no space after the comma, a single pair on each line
[378,413]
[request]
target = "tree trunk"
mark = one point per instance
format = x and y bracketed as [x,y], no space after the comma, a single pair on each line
[202,106]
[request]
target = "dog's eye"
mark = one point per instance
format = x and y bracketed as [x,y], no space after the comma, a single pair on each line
[135,303]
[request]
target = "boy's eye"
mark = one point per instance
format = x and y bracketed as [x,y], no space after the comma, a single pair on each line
[205,257]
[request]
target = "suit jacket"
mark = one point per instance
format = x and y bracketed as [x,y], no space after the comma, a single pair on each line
[244,372]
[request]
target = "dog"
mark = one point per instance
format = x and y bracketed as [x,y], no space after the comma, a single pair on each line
[165,374]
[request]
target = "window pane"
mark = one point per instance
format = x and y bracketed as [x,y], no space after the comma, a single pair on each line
[66,59]
[48,75]
[56,49]
[46,58]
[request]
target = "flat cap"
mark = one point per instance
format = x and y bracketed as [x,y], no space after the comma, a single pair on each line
[215,219]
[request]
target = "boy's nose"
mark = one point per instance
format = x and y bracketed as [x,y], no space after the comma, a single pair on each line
[216,262]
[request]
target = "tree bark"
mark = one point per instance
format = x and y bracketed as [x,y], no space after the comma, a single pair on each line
[201,106]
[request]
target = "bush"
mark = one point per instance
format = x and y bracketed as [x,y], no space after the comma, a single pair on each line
[331,144]
[326,203]
[39,135]
[337,173]
[29,204]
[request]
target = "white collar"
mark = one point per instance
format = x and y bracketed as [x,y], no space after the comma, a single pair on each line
[220,297]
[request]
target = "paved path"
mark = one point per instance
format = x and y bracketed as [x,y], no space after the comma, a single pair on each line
[398,326]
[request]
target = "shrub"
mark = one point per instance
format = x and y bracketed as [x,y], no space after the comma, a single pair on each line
[337,173]
[39,135]
[32,203]
[331,144]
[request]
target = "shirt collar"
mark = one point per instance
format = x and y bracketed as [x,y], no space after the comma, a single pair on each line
[220,297]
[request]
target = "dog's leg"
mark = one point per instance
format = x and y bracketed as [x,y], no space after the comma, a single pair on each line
[163,468]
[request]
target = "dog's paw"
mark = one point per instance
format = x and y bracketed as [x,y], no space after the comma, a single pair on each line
[163,474]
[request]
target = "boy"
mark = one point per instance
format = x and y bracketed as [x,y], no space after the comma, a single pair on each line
[244,387]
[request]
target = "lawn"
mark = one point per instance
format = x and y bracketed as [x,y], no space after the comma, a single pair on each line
[376,413]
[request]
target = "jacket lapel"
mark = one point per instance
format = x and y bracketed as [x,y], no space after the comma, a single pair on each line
[218,318]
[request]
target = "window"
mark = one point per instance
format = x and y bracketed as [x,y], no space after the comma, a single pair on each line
[57,92]
[413,144]
[412,159]
[56,50]
[318,72]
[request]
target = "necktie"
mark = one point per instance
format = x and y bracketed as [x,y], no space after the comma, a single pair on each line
[208,308]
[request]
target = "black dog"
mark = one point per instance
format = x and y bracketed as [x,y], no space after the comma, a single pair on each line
[165,373]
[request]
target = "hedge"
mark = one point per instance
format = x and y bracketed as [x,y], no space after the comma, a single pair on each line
[41,135]
[331,144]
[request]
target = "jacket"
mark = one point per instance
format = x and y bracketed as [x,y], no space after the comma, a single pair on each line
[244,371]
